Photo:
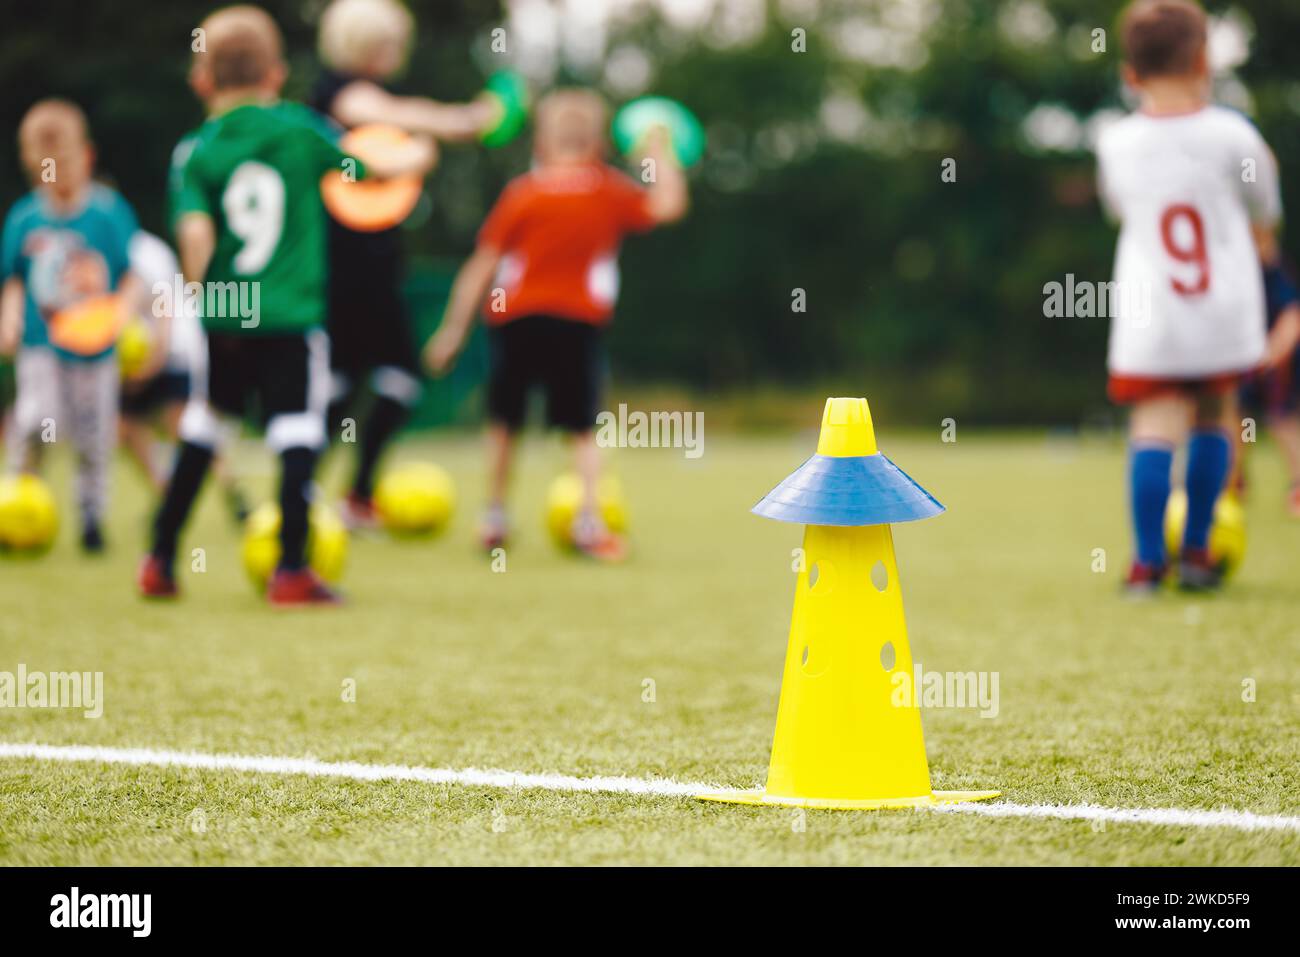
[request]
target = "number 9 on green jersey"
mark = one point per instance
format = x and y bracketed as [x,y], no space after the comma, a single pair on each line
[256,171]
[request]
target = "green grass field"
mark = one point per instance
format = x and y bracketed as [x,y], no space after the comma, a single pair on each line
[542,669]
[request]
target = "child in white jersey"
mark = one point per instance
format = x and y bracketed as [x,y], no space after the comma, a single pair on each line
[1195,189]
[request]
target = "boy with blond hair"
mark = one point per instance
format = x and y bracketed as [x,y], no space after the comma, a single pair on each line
[549,253]
[1195,189]
[363,45]
[248,215]
[65,243]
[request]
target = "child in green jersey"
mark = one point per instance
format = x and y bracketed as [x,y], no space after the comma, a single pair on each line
[251,231]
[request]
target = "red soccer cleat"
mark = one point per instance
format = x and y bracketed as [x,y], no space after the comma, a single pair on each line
[300,587]
[1143,580]
[609,547]
[594,539]
[154,580]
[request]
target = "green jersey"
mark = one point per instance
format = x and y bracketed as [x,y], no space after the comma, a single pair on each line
[256,171]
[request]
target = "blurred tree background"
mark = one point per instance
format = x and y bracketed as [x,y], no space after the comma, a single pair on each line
[830,122]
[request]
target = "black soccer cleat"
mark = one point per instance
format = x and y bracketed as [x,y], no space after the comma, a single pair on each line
[92,539]
[1198,573]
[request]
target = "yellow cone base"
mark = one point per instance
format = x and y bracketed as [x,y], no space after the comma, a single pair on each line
[846,804]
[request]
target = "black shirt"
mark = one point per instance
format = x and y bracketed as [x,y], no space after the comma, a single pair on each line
[359,262]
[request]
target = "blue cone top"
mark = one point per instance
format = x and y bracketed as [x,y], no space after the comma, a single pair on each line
[848,490]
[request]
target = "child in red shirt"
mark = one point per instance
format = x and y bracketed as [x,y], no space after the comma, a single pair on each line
[547,265]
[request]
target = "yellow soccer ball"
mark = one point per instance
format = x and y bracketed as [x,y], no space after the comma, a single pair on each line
[564,498]
[327,543]
[415,498]
[29,516]
[1227,530]
[134,348]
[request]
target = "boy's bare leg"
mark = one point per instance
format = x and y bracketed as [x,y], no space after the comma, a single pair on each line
[137,438]
[1164,418]
[500,444]
[230,488]
[586,457]
[500,451]
[590,534]
[1286,429]
[1219,411]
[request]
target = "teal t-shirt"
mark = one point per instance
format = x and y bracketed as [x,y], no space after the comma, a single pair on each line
[40,246]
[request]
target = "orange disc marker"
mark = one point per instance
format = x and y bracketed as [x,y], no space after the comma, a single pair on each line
[89,327]
[369,205]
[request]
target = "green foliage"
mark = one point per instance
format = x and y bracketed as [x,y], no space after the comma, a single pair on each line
[908,279]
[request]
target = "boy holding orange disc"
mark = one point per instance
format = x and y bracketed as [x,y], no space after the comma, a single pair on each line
[67,292]
[363,44]
[549,253]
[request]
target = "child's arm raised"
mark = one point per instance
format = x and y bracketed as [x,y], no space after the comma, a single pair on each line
[669,197]
[467,292]
[362,102]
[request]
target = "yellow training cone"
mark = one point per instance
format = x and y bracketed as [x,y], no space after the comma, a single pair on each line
[841,741]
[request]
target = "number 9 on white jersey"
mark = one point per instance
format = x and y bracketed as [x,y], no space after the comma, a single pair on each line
[1186,190]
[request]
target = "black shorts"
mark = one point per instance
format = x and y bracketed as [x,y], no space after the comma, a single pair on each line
[369,324]
[267,375]
[368,334]
[564,357]
[141,400]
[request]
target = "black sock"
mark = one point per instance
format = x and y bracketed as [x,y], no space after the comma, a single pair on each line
[386,417]
[296,466]
[192,462]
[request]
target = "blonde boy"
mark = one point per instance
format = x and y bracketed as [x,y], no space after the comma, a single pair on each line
[64,243]
[550,248]
[363,45]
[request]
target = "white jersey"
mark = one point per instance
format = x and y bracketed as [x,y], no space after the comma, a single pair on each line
[156,266]
[1186,189]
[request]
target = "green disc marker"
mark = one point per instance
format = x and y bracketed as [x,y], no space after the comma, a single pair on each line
[511,92]
[636,119]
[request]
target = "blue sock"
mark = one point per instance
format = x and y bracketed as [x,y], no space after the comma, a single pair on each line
[1208,459]
[1148,470]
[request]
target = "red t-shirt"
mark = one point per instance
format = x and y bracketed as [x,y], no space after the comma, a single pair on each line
[558,231]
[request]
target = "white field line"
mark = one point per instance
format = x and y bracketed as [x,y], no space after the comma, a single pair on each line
[659,787]
[1169,816]
[349,769]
